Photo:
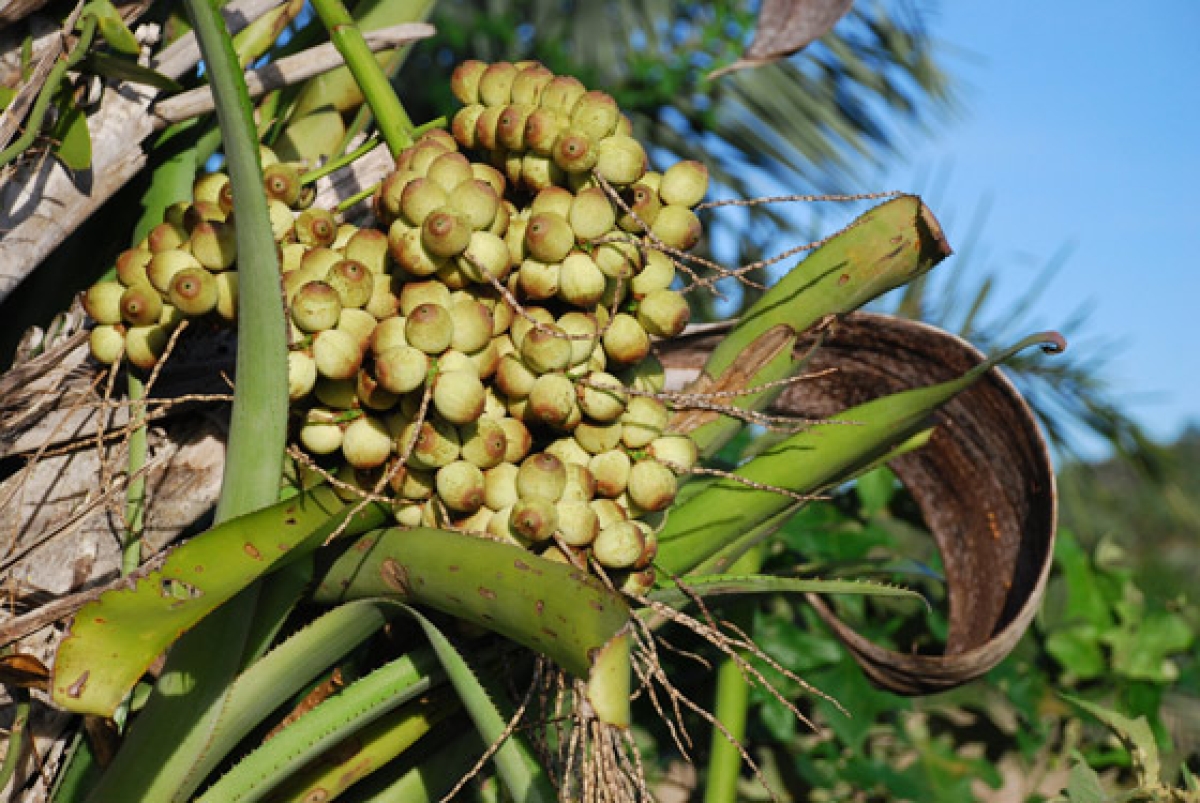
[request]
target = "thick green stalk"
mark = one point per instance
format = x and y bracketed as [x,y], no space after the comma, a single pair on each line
[390,115]
[135,492]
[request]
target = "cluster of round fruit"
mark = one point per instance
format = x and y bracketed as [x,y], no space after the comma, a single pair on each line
[483,356]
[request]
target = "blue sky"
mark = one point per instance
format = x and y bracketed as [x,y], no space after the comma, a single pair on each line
[1079,123]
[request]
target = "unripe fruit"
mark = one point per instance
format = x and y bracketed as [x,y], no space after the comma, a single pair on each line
[574,152]
[663,313]
[552,402]
[529,82]
[316,227]
[401,369]
[510,126]
[523,324]
[107,343]
[472,325]
[595,115]
[366,443]
[495,84]
[538,281]
[458,396]
[602,397]
[131,266]
[214,244]
[321,433]
[283,221]
[421,197]
[684,184]
[487,127]
[388,334]
[388,198]
[541,476]
[445,233]
[141,305]
[644,206]
[282,182]
[359,324]
[370,247]
[339,394]
[476,201]
[411,483]
[552,200]
[598,438]
[193,291]
[302,374]
[449,170]
[656,274]
[460,486]
[536,172]
[652,485]
[436,443]
[513,377]
[145,344]
[677,227]
[618,259]
[316,307]
[638,583]
[227,295]
[533,519]
[165,264]
[407,247]
[647,376]
[580,282]
[485,252]
[561,94]
[517,440]
[408,514]
[611,472]
[619,545]
[337,354]
[645,418]
[371,394]
[578,524]
[483,442]
[608,511]
[581,486]
[464,123]
[464,81]
[591,214]
[568,450]
[546,349]
[583,335]
[548,237]
[677,452]
[165,237]
[429,328]
[625,341]
[352,281]
[419,157]
[208,187]
[620,159]
[542,129]
[102,301]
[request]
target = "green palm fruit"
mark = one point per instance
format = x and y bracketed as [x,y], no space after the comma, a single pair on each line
[408,514]
[517,439]
[359,324]
[657,274]
[611,472]
[638,583]
[411,483]
[352,282]
[677,452]
[387,334]
[429,328]
[337,394]
[165,264]
[227,295]
[536,172]
[207,187]
[321,432]
[522,324]
[581,486]
[282,182]
[291,255]
[383,303]
[458,396]
[316,306]
[490,176]
[370,247]
[644,206]
[421,196]
[371,394]
[144,345]
[165,236]
[488,252]
[102,302]
[652,485]
[317,261]
[464,123]
[510,126]
[677,227]
[545,350]
[420,156]
[141,305]
[647,376]
[464,81]
[529,82]
[551,401]
[618,259]
[583,331]
[449,170]
[581,283]
[214,244]
[608,511]
[366,443]
[283,221]
[475,200]
[451,360]
[548,237]
[487,129]
[568,450]
[533,520]
[337,354]
[202,212]
[107,343]
[495,85]
[591,215]
[193,291]
[625,341]
[578,524]
[649,550]
[616,291]
[663,313]
[401,368]
[619,545]
[538,281]
[460,486]
[513,377]
[500,486]
[445,232]
[476,522]
[131,265]
[486,360]
[574,151]
[407,247]
[595,115]
[483,442]
[684,184]
[561,94]
[602,397]
[645,418]
[598,438]
[542,129]
[436,444]
[302,374]
[316,227]
[389,196]
[620,159]
[472,325]
[551,200]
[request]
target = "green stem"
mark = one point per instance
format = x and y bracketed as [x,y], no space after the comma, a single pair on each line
[18,737]
[733,700]
[135,492]
[393,120]
[37,114]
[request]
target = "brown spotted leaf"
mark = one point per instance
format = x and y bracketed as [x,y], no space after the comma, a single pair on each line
[786,27]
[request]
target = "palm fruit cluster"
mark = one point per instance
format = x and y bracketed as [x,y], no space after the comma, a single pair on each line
[483,354]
